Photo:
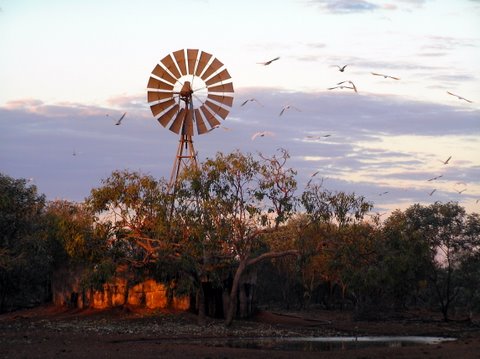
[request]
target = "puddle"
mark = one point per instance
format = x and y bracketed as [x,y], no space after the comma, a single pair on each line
[314,344]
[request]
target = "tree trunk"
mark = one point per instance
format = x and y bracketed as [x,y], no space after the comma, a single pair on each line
[232,306]
[201,305]
[243,302]
[244,263]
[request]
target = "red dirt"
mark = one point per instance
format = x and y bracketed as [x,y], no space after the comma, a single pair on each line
[52,332]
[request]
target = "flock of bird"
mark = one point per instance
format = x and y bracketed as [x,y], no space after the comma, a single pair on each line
[347,84]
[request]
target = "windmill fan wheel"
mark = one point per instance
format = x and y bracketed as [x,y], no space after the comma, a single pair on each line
[190,92]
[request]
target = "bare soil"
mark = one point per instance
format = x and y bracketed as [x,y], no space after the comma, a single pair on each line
[53,332]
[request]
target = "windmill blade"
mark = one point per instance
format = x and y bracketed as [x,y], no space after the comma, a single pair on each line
[202,62]
[188,123]
[167,116]
[160,72]
[162,106]
[157,84]
[220,111]
[178,122]
[181,61]
[221,76]
[201,127]
[169,64]
[225,100]
[192,55]
[221,88]
[212,68]
[154,96]
[209,116]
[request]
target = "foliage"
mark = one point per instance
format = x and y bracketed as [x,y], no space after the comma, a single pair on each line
[404,261]
[230,215]
[237,200]
[25,260]
[341,208]
[70,227]
[132,211]
[452,237]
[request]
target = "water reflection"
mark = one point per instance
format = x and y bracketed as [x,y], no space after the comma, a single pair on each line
[313,344]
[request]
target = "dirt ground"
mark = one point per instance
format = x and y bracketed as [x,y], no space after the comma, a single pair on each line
[52,332]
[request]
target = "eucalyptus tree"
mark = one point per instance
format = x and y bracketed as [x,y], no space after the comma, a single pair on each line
[405,259]
[241,199]
[342,241]
[79,243]
[453,236]
[340,208]
[71,228]
[25,261]
[134,209]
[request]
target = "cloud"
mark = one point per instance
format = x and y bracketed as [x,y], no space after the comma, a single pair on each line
[128,102]
[459,77]
[414,2]
[377,143]
[345,6]
[316,45]
[449,43]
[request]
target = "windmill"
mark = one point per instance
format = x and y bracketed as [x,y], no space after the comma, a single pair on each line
[189,92]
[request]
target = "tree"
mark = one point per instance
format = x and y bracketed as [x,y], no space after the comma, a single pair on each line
[25,262]
[452,237]
[232,189]
[404,260]
[340,208]
[277,184]
[337,217]
[134,209]
[71,228]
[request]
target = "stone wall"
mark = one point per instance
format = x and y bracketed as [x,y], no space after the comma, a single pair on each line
[67,291]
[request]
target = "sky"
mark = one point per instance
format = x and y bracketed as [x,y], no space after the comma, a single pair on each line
[70,69]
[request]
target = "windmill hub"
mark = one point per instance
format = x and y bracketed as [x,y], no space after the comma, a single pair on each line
[186,91]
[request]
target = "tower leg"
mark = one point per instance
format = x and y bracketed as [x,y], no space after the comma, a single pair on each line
[185,158]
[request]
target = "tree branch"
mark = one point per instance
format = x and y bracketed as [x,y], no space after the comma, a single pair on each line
[269,255]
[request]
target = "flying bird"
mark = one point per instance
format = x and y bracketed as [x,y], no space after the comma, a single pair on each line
[385,76]
[268,62]
[342,68]
[219,126]
[120,119]
[342,87]
[432,192]
[250,99]
[351,83]
[262,134]
[460,187]
[434,178]
[446,161]
[309,137]
[287,107]
[381,194]
[459,97]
